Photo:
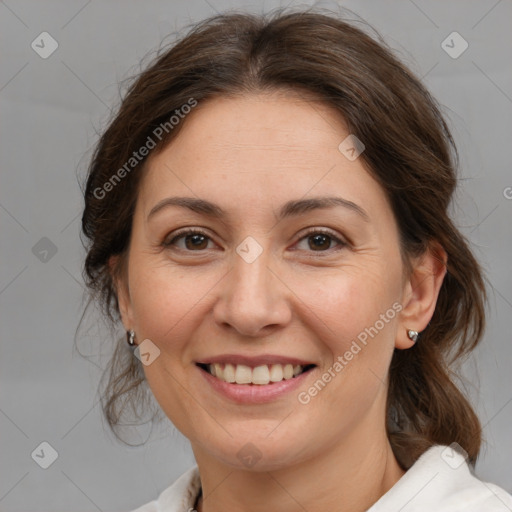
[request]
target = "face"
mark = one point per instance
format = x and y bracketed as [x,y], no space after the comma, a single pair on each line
[271,280]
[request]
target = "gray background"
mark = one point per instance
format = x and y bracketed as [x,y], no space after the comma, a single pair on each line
[51,110]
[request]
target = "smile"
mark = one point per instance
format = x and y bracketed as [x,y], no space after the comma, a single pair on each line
[260,375]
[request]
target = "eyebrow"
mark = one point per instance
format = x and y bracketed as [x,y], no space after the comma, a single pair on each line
[289,209]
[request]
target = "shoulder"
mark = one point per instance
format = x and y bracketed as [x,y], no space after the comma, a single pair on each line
[178,497]
[441,480]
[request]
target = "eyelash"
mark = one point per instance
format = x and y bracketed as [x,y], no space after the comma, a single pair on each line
[313,231]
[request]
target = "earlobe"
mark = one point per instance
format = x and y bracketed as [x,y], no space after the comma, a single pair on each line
[420,295]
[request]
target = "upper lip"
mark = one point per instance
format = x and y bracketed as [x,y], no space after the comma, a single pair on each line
[253,361]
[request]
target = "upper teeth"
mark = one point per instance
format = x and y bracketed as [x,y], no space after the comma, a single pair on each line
[242,374]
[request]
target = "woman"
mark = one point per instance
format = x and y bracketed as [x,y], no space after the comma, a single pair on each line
[267,216]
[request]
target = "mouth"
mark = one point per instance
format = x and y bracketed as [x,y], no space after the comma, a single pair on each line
[261,375]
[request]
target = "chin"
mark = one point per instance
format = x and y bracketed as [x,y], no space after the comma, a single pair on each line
[260,453]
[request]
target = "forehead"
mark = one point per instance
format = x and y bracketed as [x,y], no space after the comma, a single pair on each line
[249,150]
[281,124]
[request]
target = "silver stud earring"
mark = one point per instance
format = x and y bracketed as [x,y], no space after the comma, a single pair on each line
[413,335]
[130,338]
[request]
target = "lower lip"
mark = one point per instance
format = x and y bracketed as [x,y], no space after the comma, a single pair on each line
[254,393]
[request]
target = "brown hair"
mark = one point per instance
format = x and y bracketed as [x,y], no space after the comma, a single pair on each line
[409,151]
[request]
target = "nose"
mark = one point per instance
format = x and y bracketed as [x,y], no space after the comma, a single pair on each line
[253,299]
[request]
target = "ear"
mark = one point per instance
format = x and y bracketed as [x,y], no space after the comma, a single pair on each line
[122,292]
[421,291]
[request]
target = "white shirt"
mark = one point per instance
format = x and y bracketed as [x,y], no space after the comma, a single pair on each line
[439,481]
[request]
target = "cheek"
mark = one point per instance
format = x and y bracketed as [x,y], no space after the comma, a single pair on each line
[356,323]
[350,300]
[165,301]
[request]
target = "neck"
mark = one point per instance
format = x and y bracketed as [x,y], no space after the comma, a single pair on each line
[351,476]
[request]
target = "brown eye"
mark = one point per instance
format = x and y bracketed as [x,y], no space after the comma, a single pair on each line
[194,240]
[321,240]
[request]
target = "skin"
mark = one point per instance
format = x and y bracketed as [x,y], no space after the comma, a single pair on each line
[250,155]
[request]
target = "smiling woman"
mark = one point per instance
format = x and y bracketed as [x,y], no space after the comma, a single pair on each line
[289,238]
